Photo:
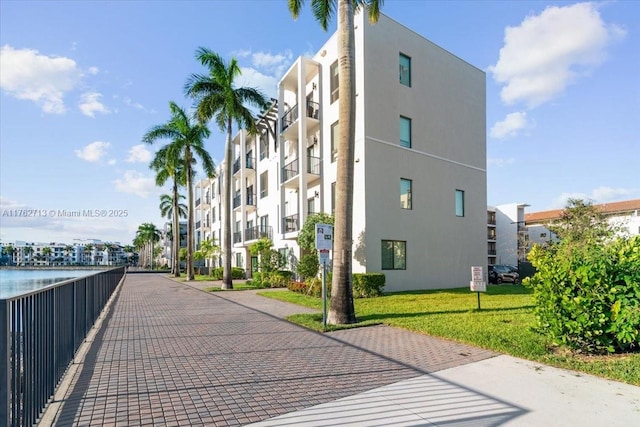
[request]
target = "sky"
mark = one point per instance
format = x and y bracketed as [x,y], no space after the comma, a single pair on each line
[82,81]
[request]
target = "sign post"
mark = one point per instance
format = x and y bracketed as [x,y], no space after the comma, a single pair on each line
[324,244]
[477,283]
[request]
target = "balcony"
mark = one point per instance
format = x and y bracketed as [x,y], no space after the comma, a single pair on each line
[290,170]
[491,236]
[198,223]
[251,199]
[197,202]
[313,165]
[237,237]
[236,165]
[313,109]
[250,162]
[258,232]
[237,201]
[290,223]
[289,117]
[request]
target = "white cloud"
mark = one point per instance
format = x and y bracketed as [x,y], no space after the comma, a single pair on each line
[512,124]
[273,63]
[94,151]
[254,78]
[139,154]
[547,52]
[28,75]
[598,195]
[90,104]
[128,102]
[499,162]
[135,183]
[93,70]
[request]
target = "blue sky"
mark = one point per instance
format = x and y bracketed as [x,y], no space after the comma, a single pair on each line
[82,81]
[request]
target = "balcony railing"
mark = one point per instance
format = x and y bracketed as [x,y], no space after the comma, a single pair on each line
[237,200]
[491,236]
[258,232]
[313,165]
[290,223]
[40,332]
[197,202]
[289,116]
[492,252]
[250,162]
[236,165]
[290,170]
[251,199]
[198,223]
[237,237]
[312,109]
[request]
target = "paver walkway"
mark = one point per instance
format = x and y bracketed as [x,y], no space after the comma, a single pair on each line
[171,354]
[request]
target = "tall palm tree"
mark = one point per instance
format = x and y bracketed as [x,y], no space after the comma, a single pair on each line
[28,250]
[146,238]
[187,142]
[67,252]
[342,309]
[217,97]
[46,251]
[9,250]
[168,210]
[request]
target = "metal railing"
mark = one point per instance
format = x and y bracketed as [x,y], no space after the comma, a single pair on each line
[251,199]
[250,162]
[313,165]
[289,116]
[237,201]
[258,232]
[40,332]
[290,223]
[312,109]
[289,170]
[236,165]
[237,237]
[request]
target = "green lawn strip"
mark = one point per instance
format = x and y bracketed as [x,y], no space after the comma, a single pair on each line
[503,324]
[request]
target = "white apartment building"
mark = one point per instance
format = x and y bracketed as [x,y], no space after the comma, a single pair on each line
[420,211]
[624,214]
[53,254]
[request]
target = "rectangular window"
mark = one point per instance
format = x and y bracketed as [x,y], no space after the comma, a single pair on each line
[335,131]
[264,223]
[459,203]
[311,206]
[405,70]
[264,146]
[394,255]
[239,259]
[405,132]
[405,193]
[334,83]
[264,184]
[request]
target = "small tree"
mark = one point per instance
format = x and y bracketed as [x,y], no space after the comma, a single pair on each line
[307,235]
[207,251]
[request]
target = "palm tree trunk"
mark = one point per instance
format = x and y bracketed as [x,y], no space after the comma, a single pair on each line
[176,232]
[189,272]
[227,278]
[342,310]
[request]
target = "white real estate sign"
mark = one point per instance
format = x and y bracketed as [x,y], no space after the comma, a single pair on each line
[477,283]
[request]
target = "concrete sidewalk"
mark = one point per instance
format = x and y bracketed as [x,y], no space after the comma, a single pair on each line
[170,354]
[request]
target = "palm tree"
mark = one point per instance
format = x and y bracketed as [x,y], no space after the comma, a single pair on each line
[46,251]
[28,250]
[168,206]
[187,143]
[342,309]
[146,238]
[168,165]
[217,97]
[9,250]
[67,252]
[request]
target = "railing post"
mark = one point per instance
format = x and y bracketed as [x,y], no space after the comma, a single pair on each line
[5,364]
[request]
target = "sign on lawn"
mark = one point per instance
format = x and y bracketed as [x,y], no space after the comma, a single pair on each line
[324,237]
[477,283]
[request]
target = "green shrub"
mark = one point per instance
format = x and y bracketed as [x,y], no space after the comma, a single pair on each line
[308,266]
[236,273]
[275,279]
[588,295]
[367,285]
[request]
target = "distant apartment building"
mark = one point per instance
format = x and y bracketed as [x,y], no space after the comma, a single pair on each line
[507,234]
[624,214]
[419,209]
[53,254]
[166,240]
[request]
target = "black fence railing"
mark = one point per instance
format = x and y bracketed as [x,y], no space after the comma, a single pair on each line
[258,232]
[289,170]
[41,332]
[289,116]
[237,201]
[236,165]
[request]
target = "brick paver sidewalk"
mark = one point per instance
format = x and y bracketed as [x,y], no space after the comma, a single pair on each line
[170,354]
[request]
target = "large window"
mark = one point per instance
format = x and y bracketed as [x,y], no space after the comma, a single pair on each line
[394,255]
[405,193]
[459,203]
[334,82]
[264,184]
[405,70]
[405,132]
[335,130]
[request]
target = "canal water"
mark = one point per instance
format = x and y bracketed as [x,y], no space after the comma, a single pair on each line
[14,282]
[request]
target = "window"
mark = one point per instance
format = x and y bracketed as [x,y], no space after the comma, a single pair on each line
[405,70]
[405,132]
[311,206]
[333,198]
[334,84]
[264,223]
[239,259]
[405,193]
[264,146]
[264,185]
[335,130]
[394,255]
[459,203]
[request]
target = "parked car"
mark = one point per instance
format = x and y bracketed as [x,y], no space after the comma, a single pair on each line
[503,273]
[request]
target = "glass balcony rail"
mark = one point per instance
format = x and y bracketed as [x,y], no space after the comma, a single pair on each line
[290,170]
[313,165]
[251,199]
[236,165]
[237,237]
[198,202]
[258,232]
[290,223]
[289,116]
[198,223]
[237,201]
[313,109]
[250,162]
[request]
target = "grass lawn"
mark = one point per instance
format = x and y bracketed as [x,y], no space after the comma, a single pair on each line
[503,324]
